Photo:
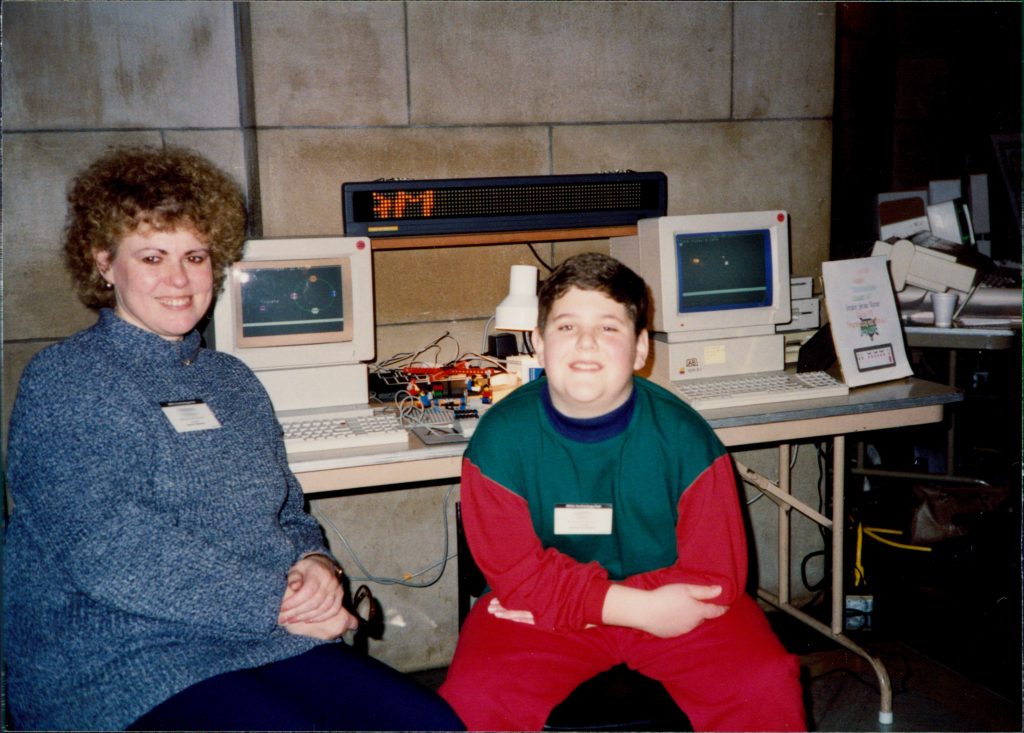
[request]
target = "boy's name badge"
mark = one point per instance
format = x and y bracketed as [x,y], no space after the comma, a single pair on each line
[583,518]
[189,415]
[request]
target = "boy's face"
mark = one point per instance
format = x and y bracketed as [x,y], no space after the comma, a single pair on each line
[589,352]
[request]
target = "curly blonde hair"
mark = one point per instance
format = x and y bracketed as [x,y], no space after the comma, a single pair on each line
[160,188]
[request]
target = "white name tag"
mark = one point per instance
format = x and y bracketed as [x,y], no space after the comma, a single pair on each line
[583,519]
[189,415]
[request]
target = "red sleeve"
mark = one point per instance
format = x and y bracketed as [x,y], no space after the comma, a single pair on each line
[710,537]
[559,591]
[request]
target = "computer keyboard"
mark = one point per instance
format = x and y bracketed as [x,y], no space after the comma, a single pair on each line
[428,416]
[330,431]
[708,393]
[435,425]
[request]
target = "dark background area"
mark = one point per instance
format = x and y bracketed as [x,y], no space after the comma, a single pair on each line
[921,89]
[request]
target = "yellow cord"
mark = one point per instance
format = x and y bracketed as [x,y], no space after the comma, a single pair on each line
[873,533]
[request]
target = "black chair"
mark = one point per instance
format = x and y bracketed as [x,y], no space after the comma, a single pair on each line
[618,699]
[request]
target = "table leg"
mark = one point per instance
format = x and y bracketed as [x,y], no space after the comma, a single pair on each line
[951,430]
[838,525]
[785,511]
[781,493]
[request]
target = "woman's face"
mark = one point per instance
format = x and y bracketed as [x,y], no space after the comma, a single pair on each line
[163,280]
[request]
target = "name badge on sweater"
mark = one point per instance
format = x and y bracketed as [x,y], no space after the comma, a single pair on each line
[189,415]
[583,518]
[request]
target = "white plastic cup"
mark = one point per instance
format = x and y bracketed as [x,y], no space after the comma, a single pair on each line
[943,305]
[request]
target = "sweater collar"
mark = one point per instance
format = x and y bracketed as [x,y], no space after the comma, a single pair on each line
[139,346]
[589,429]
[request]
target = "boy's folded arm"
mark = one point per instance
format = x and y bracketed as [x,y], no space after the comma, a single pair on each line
[708,575]
[710,537]
[559,591]
[666,611]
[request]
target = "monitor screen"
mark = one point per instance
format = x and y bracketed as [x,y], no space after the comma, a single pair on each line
[294,301]
[712,275]
[722,270]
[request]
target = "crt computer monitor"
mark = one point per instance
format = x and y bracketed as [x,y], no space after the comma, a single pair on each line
[299,313]
[720,283]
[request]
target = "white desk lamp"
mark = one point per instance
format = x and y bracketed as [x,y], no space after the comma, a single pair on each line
[518,312]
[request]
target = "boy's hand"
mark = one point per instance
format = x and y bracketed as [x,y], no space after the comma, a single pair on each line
[668,611]
[521,617]
[677,608]
[499,611]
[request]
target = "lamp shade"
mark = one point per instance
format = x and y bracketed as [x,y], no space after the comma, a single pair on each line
[518,311]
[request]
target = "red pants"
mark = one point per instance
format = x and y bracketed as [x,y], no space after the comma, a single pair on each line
[728,674]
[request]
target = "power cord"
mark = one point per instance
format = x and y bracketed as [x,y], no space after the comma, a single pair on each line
[822,462]
[539,259]
[409,358]
[407,578]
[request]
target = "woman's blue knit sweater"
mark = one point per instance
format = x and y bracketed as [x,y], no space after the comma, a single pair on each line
[140,560]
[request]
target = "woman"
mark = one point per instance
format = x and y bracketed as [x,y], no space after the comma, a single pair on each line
[161,572]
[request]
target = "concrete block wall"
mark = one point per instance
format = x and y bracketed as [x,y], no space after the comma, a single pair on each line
[732,101]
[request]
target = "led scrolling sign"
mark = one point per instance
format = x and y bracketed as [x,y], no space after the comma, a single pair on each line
[398,208]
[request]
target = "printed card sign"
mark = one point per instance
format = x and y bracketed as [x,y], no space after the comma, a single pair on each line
[865,321]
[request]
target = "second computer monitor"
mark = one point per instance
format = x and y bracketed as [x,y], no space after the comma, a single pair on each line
[300,313]
[719,287]
[713,275]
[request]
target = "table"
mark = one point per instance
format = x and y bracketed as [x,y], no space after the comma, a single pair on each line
[990,337]
[895,404]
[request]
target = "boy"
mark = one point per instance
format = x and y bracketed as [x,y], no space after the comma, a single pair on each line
[604,514]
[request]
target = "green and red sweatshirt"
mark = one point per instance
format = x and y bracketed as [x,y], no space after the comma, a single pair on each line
[653,466]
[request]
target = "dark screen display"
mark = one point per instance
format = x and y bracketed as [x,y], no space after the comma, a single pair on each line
[723,270]
[445,203]
[292,301]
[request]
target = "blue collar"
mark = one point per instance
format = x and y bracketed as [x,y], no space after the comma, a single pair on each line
[589,429]
[139,346]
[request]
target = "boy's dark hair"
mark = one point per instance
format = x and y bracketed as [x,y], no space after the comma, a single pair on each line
[596,271]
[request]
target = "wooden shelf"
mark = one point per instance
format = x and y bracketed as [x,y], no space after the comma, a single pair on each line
[476,239]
